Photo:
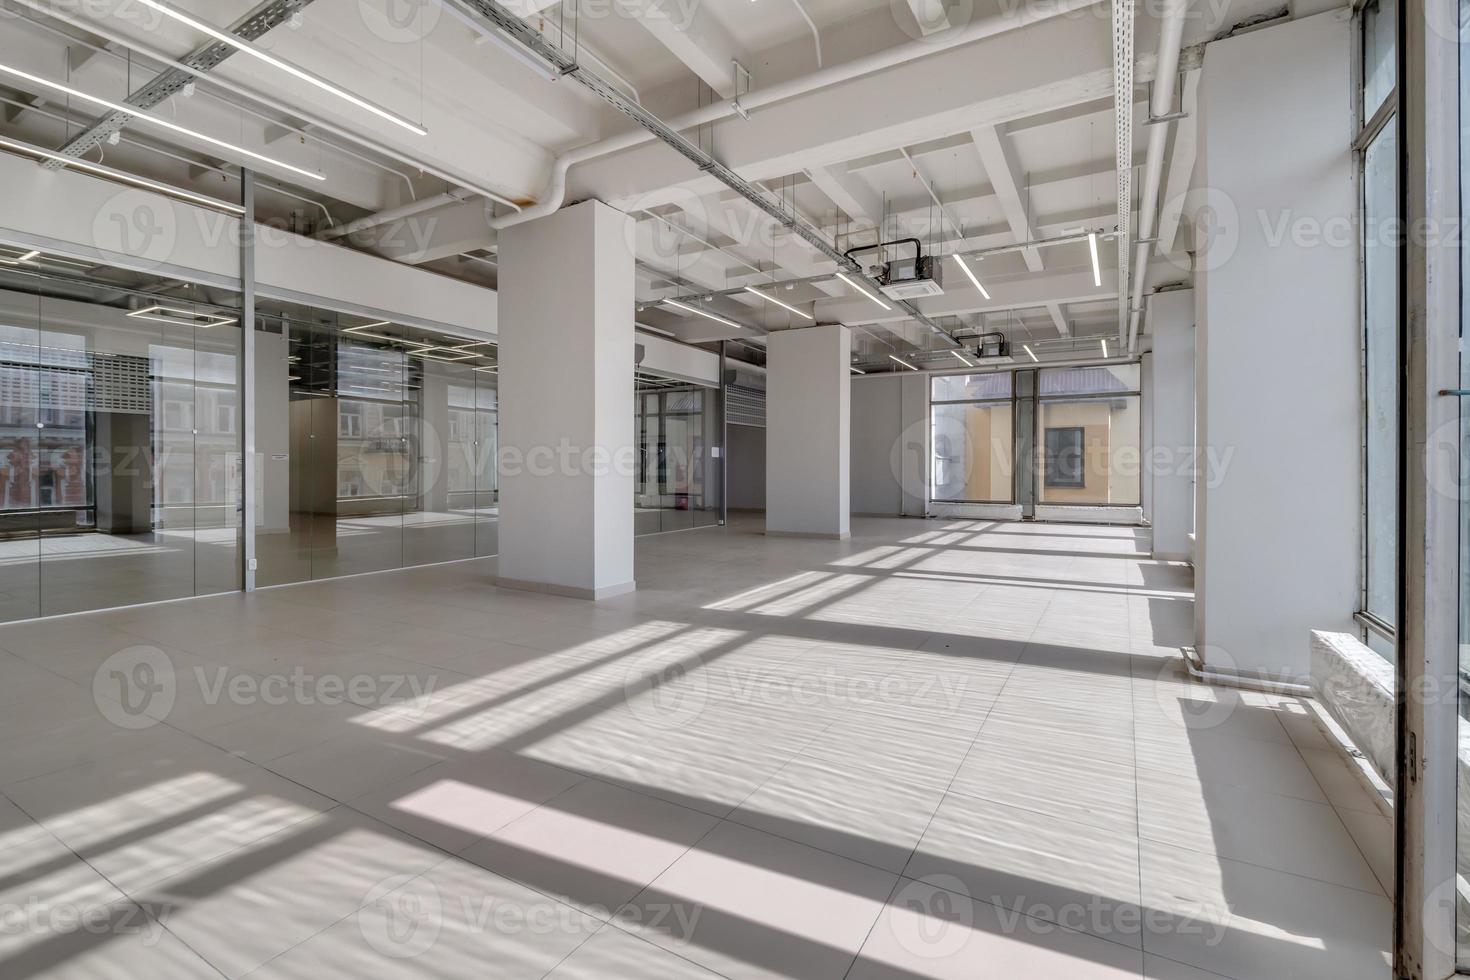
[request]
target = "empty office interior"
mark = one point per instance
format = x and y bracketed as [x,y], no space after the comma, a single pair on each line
[734,488]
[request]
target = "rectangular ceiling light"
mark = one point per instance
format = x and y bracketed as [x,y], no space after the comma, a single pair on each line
[900,360]
[245,47]
[966,268]
[181,317]
[785,306]
[122,176]
[1104,346]
[961,358]
[137,113]
[704,313]
[1029,352]
[860,289]
[1096,269]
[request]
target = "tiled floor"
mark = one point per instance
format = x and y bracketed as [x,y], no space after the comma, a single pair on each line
[939,749]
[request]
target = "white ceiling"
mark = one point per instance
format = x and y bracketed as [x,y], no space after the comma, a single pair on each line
[1035,104]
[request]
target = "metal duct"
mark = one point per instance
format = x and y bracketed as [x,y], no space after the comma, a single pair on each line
[498,17]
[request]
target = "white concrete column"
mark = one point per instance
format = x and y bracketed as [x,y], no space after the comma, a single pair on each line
[1278,340]
[567,455]
[808,404]
[1170,401]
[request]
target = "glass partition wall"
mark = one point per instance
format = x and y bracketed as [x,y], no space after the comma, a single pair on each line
[376,445]
[121,442]
[678,427]
[120,469]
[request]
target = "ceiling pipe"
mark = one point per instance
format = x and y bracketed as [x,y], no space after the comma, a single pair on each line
[292,111]
[1171,30]
[397,214]
[554,194]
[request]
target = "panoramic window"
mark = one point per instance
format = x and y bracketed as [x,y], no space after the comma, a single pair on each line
[973,438]
[1090,433]
[1379,151]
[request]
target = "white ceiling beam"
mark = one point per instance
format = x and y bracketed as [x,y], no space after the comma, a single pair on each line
[694,36]
[755,234]
[1040,68]
[1059,318]
[932,15]
[1181,164]
[1032,290]
[853,195]
[998,156]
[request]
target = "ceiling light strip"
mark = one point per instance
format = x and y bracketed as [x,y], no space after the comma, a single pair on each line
[155,120]
[966,267]
[245,47]
[120,175]
[843,276]
[704,313]
[899,360]
[784,306]
[1096,266]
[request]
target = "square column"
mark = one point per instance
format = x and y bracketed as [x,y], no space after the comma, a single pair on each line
[808,403]
[567,453]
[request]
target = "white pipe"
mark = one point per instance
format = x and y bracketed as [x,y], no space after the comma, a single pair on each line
[212,79]
[395,214]
[1171,29]
[552,197]
[1203,672]
[816,36]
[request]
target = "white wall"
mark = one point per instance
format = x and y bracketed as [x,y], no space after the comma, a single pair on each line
[807,431]
[1278,347]
[890,444]
[1169,403]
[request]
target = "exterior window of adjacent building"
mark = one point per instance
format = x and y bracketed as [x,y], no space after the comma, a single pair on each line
[1377,144]
[1090,433]
[1065,446]
[973,420]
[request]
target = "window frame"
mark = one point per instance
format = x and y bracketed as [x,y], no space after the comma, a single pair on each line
[934,404]
[1041,401]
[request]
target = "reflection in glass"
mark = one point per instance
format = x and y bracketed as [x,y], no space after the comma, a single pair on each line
[119,415]
[677,484]
[382,454]
[973,452]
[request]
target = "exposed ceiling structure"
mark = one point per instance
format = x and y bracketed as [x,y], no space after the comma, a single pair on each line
[415,129]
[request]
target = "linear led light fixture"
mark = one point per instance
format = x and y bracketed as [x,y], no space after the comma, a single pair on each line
[704,313]
[503,41]
[1030,353]
[966,268]
[858,371]
[478,343]
[20,259]
[366,326]
[418,345]
[860,289]
[906,364]
[245,47]
[440,357]
[961,357]
[147,117]
[784,306]
[174,315]
[1096,269]
[489,369]
[121,176]
[1104,345]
